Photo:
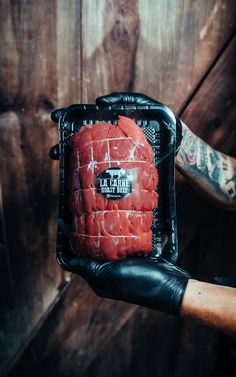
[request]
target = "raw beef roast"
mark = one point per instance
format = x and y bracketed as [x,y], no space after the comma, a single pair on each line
[113,184]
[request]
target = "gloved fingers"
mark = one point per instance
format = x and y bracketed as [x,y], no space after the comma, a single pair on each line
[82,266]
[54,152]
[87,268]
[55,115]
[225,280]
[125,98]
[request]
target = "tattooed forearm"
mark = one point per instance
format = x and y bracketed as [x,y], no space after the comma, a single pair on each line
[211,171]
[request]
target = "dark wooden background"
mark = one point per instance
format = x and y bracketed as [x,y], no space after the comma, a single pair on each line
[57,52]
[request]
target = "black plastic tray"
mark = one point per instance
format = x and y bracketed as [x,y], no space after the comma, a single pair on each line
[159,126]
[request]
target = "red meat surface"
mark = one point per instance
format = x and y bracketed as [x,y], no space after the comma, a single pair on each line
[106,228]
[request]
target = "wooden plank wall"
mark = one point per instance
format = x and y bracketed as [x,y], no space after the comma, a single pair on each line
[181,52]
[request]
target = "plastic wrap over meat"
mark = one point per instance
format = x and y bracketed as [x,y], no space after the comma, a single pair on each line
[117,186]
[112,184]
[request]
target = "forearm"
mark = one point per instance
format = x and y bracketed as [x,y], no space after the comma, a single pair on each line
[210,304]
[211,172]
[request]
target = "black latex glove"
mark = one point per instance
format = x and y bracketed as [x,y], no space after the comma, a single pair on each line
[114,99]
[150,282]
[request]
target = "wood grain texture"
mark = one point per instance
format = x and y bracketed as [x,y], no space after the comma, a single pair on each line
[60,52]
[214,105]
[28,34]
[150,344]
[79,327]
[68,57]
[159,48]
[178,41]
[29,207]
[28,178]
[110,32]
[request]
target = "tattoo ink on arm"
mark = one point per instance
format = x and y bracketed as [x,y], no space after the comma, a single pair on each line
[210,171]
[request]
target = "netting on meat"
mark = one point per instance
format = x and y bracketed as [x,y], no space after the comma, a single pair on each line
[104,227]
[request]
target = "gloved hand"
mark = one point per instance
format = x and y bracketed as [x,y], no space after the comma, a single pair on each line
[150,282]
[114,99]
